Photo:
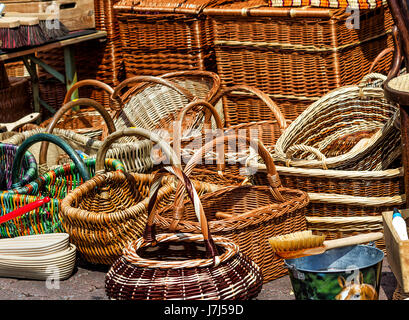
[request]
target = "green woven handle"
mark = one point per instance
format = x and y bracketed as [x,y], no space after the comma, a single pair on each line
[40,137]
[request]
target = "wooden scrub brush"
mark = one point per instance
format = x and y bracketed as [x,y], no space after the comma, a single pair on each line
[304,243]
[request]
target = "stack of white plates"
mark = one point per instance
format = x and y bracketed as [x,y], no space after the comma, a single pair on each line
[37,257]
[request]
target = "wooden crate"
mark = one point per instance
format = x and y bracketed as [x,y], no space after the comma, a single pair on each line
[397,250]
[74,14]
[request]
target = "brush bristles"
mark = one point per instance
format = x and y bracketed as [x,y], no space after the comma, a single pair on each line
[296,241]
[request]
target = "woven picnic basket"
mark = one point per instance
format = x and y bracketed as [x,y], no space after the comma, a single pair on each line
[106,212]
[262,119]
[165,36]
[156,102]
[350,128]
[297,54]
[343,203]
[246,214]
[182,266]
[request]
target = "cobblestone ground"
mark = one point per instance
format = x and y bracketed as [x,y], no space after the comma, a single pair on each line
[87,283]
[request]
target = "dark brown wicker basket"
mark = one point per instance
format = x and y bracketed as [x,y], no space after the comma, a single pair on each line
[160,37]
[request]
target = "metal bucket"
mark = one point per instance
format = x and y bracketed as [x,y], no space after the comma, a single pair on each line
[348,273]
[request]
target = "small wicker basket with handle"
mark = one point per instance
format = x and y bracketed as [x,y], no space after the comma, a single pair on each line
[246,214]
[350,128]
[182,266]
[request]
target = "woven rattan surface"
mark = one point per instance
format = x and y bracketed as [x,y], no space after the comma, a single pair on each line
[295,53]
[165,36]
[256,213]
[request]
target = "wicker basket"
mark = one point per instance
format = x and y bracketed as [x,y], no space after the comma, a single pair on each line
[350,128]
[248,215]
[296,54]
[108,211]
[15,101]
[165,36]
[182,266]
[56,184]
[344,203]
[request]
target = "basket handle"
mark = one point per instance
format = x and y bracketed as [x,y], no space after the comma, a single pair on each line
[272,174]
[116,95]
[93,83]
[379,57]
[149,234]
[206,125]
[79,163]
[68,106]
[302,147]
[275,110]
[131,132]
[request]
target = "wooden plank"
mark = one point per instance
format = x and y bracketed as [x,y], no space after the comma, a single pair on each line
[397,250]
[74,14]
[53,45]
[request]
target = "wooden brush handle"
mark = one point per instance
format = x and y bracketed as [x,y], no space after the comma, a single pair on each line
[350,241]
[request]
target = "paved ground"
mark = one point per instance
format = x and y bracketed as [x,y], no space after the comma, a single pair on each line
[87,283]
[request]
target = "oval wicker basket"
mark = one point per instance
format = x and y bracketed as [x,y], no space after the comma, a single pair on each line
[182,266]
[350,128]
[28,170]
